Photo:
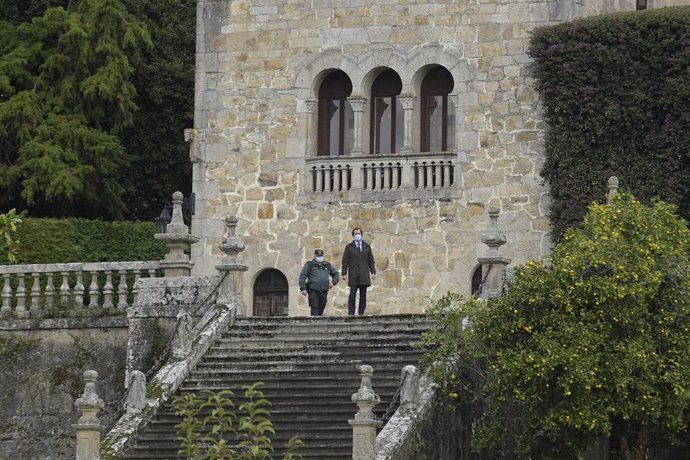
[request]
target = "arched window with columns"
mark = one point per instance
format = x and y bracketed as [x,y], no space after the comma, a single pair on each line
[437,114]
[335,117]
[387,120]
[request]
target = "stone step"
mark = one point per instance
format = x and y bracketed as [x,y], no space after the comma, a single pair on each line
[309,369]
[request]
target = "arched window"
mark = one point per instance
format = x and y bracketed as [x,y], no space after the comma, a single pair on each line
[336,119]
[437,112]
[271,294]
[476,283]
[386,114]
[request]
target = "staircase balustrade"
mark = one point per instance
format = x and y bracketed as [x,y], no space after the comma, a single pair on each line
[31,290]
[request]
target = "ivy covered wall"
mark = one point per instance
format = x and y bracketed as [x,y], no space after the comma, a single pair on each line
[616,96]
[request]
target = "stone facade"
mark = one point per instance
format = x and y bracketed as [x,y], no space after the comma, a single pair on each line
[259,68]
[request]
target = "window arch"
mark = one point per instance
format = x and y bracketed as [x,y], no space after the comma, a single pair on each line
[271,294]
[386,128]
[437,114]
[336,119]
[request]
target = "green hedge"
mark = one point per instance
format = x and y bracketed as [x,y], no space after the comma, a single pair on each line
[616,96]
[83,240]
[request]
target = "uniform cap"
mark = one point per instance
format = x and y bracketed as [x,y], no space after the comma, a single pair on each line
[318,252]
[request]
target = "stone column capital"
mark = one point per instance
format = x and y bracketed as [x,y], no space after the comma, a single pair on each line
[311,105]
[407,101]
[357,103]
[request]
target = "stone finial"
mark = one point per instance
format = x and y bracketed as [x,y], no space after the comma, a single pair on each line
[494,264]
[230,268]
[365,423]
[613,189]
[89,404]
[88,427]
[409,389]
[182,338]
[232,245]
[177,238]
[492,237]
[136,394]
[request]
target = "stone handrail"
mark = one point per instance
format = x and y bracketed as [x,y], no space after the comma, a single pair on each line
[416,402]
[29,290]
[386,176]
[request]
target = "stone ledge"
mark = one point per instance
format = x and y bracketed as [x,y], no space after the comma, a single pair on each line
[103,322]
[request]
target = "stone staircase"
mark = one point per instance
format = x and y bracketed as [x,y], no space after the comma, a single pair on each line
[309,370]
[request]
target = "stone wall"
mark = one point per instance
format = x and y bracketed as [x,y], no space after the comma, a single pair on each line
[259,66]
[42,364]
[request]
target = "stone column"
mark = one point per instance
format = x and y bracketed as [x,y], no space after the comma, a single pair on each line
[177,238]
[613,189]
[358,103]
[407,103]
[365,423]
[494,265]
[230,269]
[312,132]
[88,427]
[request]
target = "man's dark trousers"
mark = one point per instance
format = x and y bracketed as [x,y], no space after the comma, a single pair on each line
[362,299]
[317,301]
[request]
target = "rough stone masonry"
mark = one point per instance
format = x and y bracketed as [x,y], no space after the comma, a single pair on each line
[259,68]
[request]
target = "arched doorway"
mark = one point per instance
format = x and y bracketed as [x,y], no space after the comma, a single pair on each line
[271,294]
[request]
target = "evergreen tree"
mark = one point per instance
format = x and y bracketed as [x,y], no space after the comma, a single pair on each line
[65,95]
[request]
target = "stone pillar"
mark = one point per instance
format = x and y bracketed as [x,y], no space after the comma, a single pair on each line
[312,132]
[230,269]
[357,103]
[365,423]
[613,189]
[407,103]
[88,427]
[136,394]
[177,239]
[409,389]
[494,265]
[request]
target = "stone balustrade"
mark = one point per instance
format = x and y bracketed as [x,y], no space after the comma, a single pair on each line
[386,176]
[30,290]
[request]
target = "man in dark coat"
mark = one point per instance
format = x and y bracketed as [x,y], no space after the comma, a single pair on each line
[315,279]
[358,270]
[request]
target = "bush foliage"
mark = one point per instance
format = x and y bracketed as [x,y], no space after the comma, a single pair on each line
[82,240]
[616,95]
[594,344]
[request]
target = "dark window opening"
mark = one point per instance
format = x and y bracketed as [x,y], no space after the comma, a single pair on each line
[476,281]
[386,114]
[336,119]
[437,118]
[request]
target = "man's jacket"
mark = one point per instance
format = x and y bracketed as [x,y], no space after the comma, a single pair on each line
[316,276]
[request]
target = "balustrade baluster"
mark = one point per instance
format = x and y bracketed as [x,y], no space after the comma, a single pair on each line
[135,291]
[388,180]
[372,171]
[64,288]
[429,175]
[337,178]
[396,175]
[122,290]
[319,179]
[152,272]
[21,297]
[79,290]
[35,293]
[93,289]
[50,290]
[108,290]
[6,296]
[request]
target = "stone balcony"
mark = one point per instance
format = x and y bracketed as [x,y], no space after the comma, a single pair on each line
[380,178]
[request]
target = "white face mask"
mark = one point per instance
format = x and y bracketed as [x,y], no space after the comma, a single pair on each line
[358,237]
[319,259]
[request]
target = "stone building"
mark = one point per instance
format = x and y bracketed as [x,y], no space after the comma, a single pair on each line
[407,118]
